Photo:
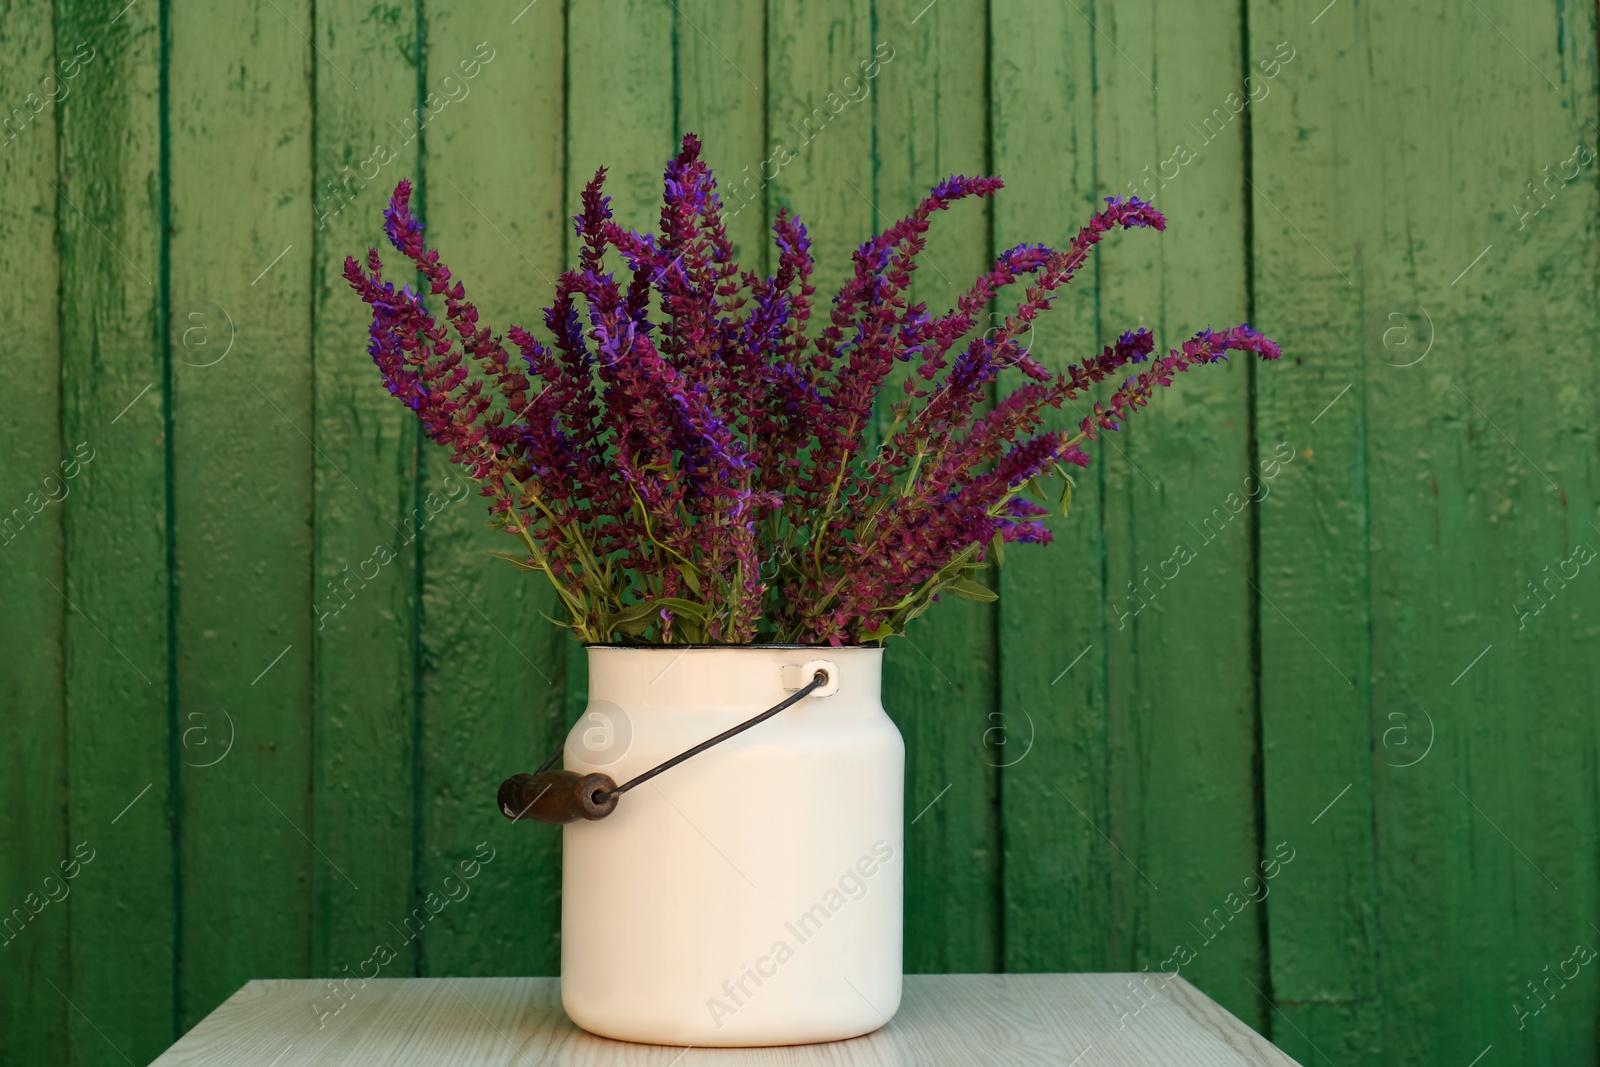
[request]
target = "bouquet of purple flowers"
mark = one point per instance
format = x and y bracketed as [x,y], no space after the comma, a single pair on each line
[686,457]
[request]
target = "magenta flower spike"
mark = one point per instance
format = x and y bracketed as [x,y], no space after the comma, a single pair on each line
[682,452]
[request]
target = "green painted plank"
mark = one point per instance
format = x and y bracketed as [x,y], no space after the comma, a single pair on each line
[33,486]
[722,96]
[1179,483]
[819,139]
[1481,463]
[494,669]
[1057,865]
[242,241]
[624,120]
[1314,571]
[931,106]
[1500,518]
[366,515]
[120,736]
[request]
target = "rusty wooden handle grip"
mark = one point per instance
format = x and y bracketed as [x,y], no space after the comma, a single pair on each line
[558,797]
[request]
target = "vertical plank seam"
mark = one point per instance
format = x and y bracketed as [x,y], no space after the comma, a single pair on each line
[1107,791]
[419,556]
[996,650]
[677,76]
[313,928]
[1594,796]
[61,525]
[1374,946]
[1258,761]
[170,508]
[872,114]
[1375,942]
[566,141]
[763,245]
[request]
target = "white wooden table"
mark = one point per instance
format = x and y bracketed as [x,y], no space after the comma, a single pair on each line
[1083,1020]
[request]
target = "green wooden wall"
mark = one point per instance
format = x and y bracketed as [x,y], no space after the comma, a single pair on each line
[1330,621]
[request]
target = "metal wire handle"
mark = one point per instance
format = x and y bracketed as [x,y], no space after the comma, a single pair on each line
[594,796]
[818,680]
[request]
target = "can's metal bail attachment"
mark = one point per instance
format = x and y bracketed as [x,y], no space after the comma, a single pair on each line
[797,676]
[559,797]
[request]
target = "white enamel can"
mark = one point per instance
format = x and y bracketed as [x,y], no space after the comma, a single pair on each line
[751,895]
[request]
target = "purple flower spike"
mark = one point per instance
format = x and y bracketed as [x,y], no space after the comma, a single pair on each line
[680,449]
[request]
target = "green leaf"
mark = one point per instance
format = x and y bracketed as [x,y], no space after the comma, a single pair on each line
[967,589]
[907,600]
[592,582]
[633,627]
[998,547]
[645,609]
[1066,490]
[635,619]
[691,578]
[885,631]
[692,632]
[516,560]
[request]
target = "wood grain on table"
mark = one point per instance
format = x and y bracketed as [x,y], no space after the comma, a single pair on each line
[1092,1020]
